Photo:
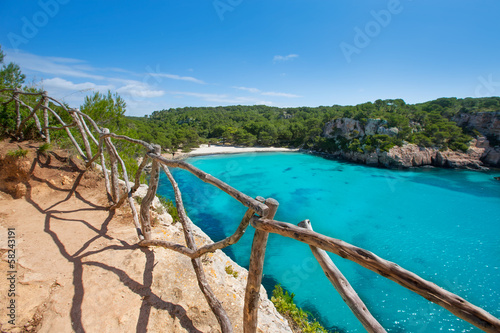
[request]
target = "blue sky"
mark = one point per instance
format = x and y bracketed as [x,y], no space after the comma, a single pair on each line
[163,54]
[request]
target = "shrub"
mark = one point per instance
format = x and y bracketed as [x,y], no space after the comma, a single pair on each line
[18,153]
[44,149]
[171,209]
[283,301]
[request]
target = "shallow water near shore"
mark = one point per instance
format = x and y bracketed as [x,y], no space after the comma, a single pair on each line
[443,225]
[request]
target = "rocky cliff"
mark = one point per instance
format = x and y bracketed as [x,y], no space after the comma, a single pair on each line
[408,155]
[486,123]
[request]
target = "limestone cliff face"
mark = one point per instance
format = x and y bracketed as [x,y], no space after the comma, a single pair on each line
[486,123]
[410,155]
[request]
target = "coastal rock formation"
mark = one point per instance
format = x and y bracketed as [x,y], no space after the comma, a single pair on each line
[486,123]
[409,155]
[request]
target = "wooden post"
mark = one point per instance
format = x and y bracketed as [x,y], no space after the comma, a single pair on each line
[106,175]
[344,288]
[150,195]
[18,109]
[252,292]
[46,116]
[115,189]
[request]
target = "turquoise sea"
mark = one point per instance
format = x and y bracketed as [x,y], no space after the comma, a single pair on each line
[444,225]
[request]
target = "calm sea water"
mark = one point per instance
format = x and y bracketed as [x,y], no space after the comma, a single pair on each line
[444,225]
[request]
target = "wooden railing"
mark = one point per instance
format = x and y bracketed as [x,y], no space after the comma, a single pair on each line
[260,215]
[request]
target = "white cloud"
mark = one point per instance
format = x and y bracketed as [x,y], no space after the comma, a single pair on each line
[222,98]
[285,58]
[177,77]
[62,84]
[51,65]
[252,90]
[267,93]
[280,94]
[139,89]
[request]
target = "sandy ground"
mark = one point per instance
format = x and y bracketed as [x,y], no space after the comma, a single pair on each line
[215,150]
[78,268]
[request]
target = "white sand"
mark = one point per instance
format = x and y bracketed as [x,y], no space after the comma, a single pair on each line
[212,150]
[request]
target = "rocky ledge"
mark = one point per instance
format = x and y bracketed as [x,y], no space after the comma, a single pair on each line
[479,155]
[411,155]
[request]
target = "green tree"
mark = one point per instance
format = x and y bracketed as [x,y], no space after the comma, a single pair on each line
[106,110]
[10,74]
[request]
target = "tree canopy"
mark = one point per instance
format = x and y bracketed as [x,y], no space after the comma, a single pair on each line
[10,74]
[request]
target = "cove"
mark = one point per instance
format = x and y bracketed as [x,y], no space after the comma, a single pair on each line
[443,225]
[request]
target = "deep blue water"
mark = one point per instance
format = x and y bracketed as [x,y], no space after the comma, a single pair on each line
[444,225]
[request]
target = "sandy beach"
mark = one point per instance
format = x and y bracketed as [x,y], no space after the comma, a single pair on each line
[214,150]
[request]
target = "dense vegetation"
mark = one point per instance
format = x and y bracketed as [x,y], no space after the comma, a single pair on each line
[427,124]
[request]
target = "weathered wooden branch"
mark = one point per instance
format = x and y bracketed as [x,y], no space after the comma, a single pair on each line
[213,302]
[70,135]
[115,189]
[255,269]
[143,164]
[85,139]
[105,171]
[46,117]
[38,125]
[246,200]
[149,197]
[126,138]
[430,291]
[15,97]
[128,194]
[60,103]
[344,288]
[59,128]
[233,239]
[33,110]
[169,245]
[10,99]
[87,130]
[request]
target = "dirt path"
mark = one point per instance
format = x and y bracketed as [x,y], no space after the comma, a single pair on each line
[78,268]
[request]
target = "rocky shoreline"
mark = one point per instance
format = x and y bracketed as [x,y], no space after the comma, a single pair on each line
[411,155]
[479,156]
